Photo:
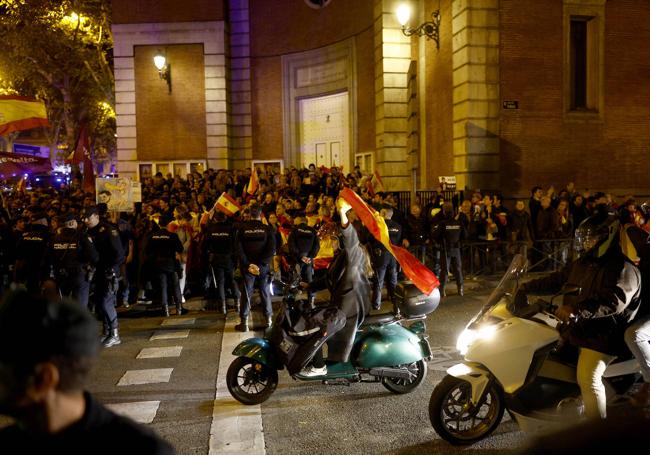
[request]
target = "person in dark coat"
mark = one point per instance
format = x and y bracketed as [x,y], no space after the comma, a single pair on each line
[383,261]
[415,233]
[47,350]
[303,246]
[220,246]
[597,314]
[31,253]
[349,286]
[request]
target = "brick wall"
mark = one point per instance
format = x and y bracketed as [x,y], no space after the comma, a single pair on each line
[170,125]
[537,145]
[438,95]
[141,11]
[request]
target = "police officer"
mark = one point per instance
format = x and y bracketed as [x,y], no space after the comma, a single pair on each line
[106,239]
[384,263]
[255,248]
[303,244]
[162,250]
[31,253]
[220,241]
[73,256]
[451,232]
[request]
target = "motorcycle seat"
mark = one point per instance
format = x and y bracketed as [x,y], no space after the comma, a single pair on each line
[378,319]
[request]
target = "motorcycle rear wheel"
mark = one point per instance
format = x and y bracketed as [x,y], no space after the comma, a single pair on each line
[402,386]
[250,382]
[459,422]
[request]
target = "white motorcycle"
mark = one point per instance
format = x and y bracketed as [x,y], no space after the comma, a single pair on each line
[513,362]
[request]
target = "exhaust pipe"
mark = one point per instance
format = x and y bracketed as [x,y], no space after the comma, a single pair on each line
[396,373]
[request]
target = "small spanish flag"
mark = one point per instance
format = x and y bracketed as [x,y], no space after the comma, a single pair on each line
[227,205]
[417,272]
[253,183]
[19,113]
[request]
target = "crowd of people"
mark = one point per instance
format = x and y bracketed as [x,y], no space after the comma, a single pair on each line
[185,239]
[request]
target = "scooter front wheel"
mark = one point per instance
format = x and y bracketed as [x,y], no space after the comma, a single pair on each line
[456,419]
[401,386]
[251,382]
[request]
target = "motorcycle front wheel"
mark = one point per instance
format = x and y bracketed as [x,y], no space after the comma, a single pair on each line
[401,386]
[250,382]
[456,419]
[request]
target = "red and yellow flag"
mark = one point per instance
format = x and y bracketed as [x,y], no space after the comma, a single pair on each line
[417,272]
[253,183]
[227,205]
[19,113]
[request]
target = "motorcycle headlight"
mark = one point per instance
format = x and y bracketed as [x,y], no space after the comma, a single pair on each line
[469,336]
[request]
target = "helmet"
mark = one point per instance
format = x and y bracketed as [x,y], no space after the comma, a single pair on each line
[595,235]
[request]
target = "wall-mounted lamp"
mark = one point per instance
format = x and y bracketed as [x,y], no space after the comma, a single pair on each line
[429,29]
[164,69]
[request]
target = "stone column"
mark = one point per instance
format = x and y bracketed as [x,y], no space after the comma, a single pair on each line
[240,134]
[475,28]
[392,60]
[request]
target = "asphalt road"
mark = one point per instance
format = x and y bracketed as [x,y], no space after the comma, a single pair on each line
[300,417]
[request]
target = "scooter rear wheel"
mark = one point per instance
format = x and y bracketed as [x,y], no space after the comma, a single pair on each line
[250,382]
[402,386]
[456,419]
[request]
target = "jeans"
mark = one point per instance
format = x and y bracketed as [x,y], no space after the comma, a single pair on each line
[388,272]
[307,275]
[451,254]
[74,285]
[591,366]
[223,276]
[637,338]
[104,299]
[167,280]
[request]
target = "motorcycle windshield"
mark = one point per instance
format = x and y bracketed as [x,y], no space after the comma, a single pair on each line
[507,286]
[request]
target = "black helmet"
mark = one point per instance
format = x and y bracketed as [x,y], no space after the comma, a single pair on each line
[595,235]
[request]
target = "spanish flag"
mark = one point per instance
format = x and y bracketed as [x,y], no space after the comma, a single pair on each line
[253,183]
[417,272]
[376,184]
[18,113]
[227,205]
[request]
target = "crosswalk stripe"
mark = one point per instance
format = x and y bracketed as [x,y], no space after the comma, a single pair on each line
[140,411]
[150,376]
[169,335]
[176,321]
[236,428]
[156,353]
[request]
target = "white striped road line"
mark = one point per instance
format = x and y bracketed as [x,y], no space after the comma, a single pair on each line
[151,376]
[178,321]
[156,353]
[140,411]
[169,335]
[236,428]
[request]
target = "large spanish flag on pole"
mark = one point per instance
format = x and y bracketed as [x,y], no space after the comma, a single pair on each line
[18,113]
[417,272]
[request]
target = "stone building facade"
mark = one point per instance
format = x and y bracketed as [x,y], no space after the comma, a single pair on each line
[515,93]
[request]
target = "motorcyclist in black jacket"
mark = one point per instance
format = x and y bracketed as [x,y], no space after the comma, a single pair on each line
[597,315]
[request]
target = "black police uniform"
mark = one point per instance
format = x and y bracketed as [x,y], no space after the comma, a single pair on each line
[106,239]
[72,254]
[7,251]
[255,245]
[162,247]
[220,246]
[385,264]
[451,232]
[31,254]
[303,242]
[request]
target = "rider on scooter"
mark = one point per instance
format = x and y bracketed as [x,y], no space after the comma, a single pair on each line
[347,281]
[597,316]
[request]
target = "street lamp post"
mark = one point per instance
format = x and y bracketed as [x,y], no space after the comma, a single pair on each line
[164,69]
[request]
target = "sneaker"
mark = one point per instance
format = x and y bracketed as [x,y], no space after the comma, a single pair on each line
[312,371]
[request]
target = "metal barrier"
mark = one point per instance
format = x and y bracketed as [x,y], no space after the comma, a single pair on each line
[490,258]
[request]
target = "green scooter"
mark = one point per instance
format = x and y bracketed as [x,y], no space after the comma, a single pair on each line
[391,349]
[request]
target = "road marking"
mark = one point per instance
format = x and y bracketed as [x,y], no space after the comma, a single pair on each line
[151,376]
[156,353]
[176,321]
[444,357]
[140,411]
[236,428]
[169,335]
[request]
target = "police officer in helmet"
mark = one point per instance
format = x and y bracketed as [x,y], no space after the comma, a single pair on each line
[106,239]
[73,257]
[255,248]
